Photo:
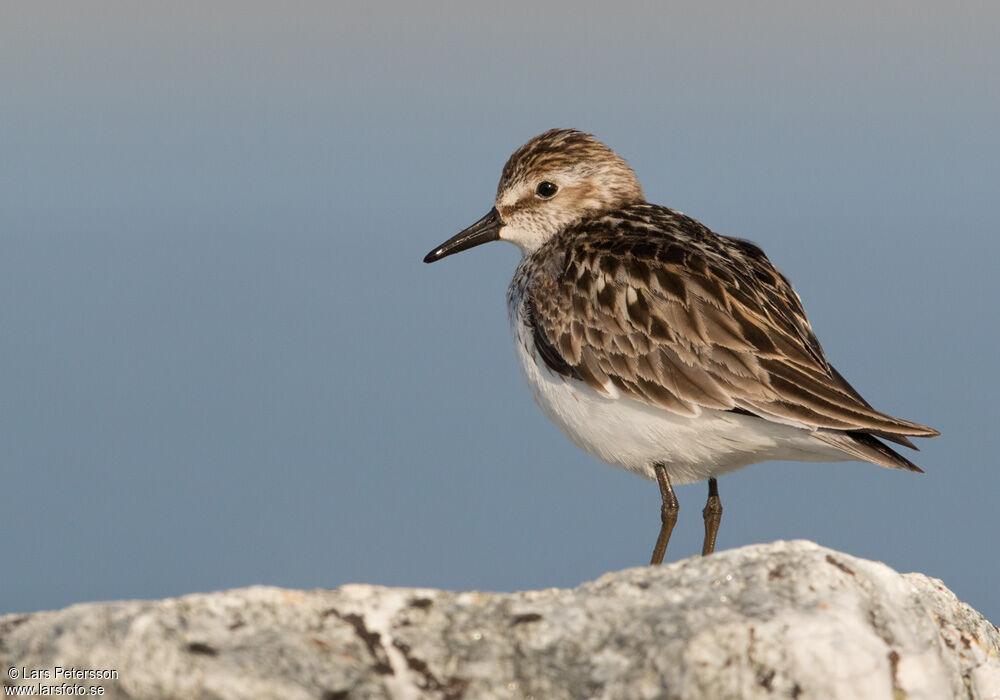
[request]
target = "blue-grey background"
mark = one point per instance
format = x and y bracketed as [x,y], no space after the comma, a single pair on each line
[222,361]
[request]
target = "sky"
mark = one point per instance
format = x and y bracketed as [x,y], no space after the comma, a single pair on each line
[223,362]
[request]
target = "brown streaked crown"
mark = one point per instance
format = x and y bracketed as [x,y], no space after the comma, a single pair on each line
[572,150]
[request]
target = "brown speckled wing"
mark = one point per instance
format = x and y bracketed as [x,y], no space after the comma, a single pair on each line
[653,304]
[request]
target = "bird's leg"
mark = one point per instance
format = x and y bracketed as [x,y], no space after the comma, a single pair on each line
[713,516]
[668,513]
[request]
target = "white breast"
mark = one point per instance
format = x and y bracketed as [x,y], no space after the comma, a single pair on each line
[633,435]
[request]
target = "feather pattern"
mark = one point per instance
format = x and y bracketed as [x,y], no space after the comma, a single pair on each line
[650,303]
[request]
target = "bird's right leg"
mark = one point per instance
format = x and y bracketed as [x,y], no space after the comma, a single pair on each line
[668,513]
[713,516]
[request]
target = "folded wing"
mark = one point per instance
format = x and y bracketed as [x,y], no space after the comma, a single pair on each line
[694,322]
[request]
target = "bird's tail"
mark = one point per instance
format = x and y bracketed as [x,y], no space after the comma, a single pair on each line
[868,448]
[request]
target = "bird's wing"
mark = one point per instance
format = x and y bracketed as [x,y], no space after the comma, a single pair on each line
[687,324]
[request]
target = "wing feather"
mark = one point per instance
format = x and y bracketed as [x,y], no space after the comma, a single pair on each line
[672,314]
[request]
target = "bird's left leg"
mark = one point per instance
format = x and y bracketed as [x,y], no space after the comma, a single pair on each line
[668,513]
[713,516]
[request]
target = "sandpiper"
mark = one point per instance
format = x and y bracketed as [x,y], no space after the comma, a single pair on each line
[658,345]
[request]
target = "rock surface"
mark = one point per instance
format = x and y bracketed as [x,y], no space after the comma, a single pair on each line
[787,619]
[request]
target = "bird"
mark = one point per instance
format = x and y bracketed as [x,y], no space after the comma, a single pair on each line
[658,345]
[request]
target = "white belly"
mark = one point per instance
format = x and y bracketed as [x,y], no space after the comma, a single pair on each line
[634,435]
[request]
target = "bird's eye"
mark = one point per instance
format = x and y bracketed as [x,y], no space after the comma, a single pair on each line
[546,189]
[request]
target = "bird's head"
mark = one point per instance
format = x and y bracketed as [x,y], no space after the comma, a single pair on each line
[555,180]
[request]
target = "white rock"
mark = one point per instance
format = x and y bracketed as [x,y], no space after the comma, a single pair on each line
[787,619]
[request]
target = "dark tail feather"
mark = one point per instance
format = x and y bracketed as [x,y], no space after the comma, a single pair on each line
[899,440]
[866,448]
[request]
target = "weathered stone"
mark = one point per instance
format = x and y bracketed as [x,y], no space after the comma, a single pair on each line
[787,619]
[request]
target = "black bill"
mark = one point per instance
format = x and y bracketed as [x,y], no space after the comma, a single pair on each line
[483,231]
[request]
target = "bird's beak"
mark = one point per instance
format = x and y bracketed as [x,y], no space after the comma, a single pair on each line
[483,231]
